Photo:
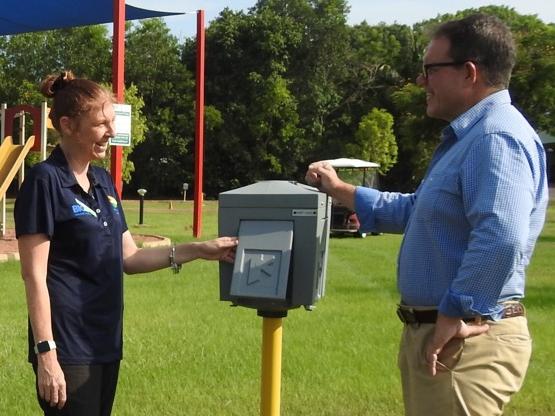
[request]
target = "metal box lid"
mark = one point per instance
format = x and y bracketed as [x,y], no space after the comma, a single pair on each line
[272,194]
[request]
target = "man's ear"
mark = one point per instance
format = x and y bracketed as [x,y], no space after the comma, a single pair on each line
[472,71]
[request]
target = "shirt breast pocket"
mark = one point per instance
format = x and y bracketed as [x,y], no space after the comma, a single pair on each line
[439,197]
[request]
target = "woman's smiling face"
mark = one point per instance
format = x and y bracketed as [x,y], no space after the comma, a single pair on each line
[92,130]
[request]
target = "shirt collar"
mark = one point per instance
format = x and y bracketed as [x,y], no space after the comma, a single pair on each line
[463,123]
[58,158]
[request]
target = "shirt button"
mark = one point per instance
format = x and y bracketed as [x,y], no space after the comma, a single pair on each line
[105,224]
[98,211]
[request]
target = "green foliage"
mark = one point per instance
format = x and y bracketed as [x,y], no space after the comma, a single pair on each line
[533,82]
[287,82]
[138,130]
[417,134]
[386,52]
[246,84]
[375,140]
[31,57]
[167,89]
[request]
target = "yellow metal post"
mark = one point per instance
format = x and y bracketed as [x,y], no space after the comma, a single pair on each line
[271,366]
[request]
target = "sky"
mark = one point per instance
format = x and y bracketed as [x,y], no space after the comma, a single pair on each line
[372,11]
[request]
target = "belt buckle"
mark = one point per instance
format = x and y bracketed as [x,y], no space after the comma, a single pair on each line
[406,315]
[513,309]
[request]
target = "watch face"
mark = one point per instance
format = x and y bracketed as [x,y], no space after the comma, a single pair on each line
[44,346]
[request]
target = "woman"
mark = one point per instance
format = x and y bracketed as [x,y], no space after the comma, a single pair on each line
[74,246]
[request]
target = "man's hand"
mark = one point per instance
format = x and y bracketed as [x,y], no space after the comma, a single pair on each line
[324,177]
[446,329]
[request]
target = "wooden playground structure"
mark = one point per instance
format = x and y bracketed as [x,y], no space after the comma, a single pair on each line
[12,155]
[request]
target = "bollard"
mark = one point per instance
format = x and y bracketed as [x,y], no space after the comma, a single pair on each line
[185,188]
[141,193]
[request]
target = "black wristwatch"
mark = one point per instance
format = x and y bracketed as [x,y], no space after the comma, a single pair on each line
[44,346]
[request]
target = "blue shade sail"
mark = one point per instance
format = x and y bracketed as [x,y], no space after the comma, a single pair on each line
[21,16]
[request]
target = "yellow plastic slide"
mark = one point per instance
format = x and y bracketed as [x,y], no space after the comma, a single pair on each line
[11,158]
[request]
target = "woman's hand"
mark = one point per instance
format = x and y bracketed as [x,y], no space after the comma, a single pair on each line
[50,379]
[222,249]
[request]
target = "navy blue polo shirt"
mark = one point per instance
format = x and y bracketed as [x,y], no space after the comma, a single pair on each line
[85,262]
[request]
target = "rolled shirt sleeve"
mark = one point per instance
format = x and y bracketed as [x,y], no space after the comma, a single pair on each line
[382,211]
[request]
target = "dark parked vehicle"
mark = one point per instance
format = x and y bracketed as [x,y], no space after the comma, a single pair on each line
[359,173]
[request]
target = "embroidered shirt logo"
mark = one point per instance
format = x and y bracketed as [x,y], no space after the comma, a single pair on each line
[82,209]
[113,201]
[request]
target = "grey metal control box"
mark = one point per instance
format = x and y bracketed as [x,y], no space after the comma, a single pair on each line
[283,230]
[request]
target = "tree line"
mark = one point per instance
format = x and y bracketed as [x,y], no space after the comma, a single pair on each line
[287,82]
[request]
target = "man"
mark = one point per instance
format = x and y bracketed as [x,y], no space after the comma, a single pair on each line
[470,228]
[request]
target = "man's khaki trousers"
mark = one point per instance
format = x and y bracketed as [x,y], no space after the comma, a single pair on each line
[477,376]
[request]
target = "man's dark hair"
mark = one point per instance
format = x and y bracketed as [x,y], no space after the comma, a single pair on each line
[485,40]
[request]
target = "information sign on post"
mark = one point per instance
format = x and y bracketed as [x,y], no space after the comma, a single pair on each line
[122,125]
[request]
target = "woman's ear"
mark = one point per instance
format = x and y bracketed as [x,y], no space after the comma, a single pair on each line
[66,126]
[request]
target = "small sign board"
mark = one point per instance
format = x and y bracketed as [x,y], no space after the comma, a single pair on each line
[122,125]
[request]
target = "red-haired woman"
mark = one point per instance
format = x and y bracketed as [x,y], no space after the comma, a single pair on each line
[74,246]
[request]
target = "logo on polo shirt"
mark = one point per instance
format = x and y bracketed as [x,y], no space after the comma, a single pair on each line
[113,202]
[82,209]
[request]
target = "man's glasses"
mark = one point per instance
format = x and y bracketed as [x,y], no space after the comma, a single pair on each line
[427,67]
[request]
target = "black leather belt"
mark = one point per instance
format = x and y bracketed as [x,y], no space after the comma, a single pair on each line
[408,315]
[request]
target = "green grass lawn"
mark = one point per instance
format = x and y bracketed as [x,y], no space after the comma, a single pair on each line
[187,353]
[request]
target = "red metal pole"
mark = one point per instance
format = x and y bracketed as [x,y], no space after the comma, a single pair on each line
[199,128]
[118,86]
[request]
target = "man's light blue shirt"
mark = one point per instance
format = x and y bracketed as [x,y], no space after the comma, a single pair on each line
[471,226]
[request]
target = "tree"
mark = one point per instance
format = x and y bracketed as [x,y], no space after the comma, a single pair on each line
[417,136]
[375,140]
[287,83]
[319,71]
[274,75]
[532,86]
[247,89]
[138,130]
[167,88]
[31,57]
[532,89]
[533,82]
